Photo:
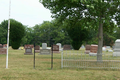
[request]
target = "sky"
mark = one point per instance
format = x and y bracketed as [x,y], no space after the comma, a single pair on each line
[28,12]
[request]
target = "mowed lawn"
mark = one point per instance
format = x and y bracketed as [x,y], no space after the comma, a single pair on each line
[20,67]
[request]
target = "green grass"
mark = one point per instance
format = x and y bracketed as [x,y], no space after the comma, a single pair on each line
[20,67]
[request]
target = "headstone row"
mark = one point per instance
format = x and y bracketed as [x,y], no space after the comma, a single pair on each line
[45,49]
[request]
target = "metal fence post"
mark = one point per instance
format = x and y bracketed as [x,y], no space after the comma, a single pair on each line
[62,59]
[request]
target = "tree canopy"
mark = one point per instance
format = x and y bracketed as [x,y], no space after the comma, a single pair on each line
[16,33]
[99,12]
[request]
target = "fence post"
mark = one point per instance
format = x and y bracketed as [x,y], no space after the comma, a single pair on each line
[62,59]
[34,57]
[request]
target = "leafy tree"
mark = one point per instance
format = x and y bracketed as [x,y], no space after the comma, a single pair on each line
[117,33]
[17,32]
[98,11]
[108,39]
[3,32]
[76,32]
[29,35]
[103,11]
[24,39]
[72,13]
[47,29]
[92,37]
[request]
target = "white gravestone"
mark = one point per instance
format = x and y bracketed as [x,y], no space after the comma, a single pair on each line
[103,48]
[44,45]
[117,48]
[59,44]
[82,46]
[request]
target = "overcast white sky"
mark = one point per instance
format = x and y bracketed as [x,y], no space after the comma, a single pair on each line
[28,12]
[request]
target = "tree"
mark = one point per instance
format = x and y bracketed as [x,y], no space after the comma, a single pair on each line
[29,35]
[17,32]
[77,33]
[3,32]
[103,11]
[98,11]
[108,39]
[117,33]
[72,13]
[48,30]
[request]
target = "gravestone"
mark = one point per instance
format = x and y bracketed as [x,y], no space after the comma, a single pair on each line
[28,51]
[67,47]
[27,46]
[82,46]
[37,49]
[59,44]
[117,48]
[1,46]
[103,48]
[108,47]
[44,45]
[55,49]
[4,45]
[93,50]
[45,51]
[87,49]
[32,46]
[3,51]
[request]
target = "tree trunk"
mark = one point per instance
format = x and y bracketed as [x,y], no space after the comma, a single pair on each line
[100,41]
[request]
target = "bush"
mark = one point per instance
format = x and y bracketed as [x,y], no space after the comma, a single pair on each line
[17,32]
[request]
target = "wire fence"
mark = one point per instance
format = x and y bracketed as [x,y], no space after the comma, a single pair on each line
[77,59]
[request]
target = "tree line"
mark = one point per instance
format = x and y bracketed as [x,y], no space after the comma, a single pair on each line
[53,29]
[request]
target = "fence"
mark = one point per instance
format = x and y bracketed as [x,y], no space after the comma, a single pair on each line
[78,59]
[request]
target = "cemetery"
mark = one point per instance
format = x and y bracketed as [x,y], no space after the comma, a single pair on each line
[82,42]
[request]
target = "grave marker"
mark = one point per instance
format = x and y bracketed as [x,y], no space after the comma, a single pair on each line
[117,48]
[4,45]
[44,45]
[3,51]
[28,51]
[55,49]
[93,50]
[29,46]
[59,44]
[1,46]
[45,51]
[87,49]
[37,49]
[67,47]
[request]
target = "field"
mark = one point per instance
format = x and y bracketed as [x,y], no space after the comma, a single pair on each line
[20,67]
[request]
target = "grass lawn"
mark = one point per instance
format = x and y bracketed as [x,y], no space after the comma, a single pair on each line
[20,67]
